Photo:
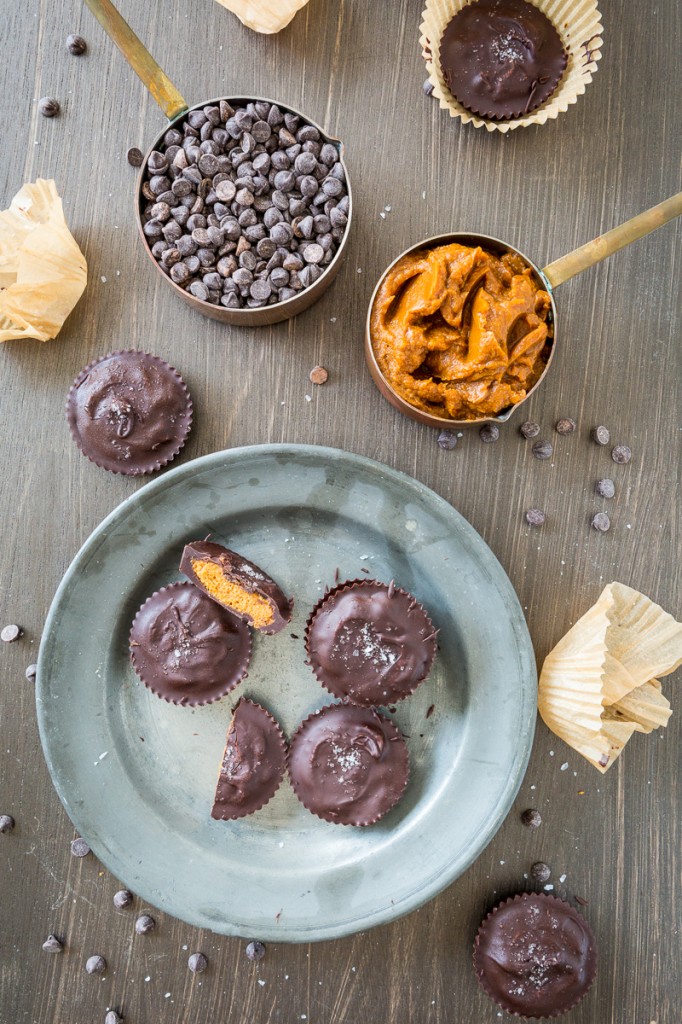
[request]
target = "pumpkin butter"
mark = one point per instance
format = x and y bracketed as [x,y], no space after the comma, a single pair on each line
[459,332]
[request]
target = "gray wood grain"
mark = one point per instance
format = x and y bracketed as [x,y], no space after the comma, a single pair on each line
[357,69]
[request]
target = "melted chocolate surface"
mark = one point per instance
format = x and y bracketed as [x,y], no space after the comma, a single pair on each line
[253,763]
[348,764]
[535,955]
[186,648]
[129,412]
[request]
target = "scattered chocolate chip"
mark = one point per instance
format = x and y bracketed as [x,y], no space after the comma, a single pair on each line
[48,106]
[135,156]
[7,823]
[531,818]
[197,963]
[76,45]
[255,951]
[113,1018]
[428,88]
[529,429]
[565,425]
[543,450]
[145,924]
[621,454]
[601,522]
[605,488]
[95,964]
[122,898]
[600,435]
[52,944]
[31,673]
[489,432]
[10,633]
[535,517]
[318,375]
[540,872]
[447,440]
[79,847]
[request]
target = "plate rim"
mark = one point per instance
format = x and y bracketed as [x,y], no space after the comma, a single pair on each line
[416,898]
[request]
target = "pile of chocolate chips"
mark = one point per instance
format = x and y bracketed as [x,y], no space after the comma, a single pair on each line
[246,206]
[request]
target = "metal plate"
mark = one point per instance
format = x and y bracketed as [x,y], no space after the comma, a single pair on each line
[137,775]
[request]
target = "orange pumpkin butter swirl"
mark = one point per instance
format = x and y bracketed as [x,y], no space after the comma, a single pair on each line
[459,332]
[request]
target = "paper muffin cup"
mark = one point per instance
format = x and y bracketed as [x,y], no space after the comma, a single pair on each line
[394,737]
[356,696]
[569,912]
[213,693]
[269,791]
[142,468]
[578,22]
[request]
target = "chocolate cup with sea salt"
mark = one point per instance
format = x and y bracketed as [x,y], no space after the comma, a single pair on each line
[253,764]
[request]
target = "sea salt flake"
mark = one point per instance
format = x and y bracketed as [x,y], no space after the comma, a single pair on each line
[564,766]
[261,982]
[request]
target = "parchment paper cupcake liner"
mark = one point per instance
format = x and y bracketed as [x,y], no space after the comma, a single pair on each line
[329,594]
[221,690]
[578,22]
[599,684]
[154,464]
[550,899]
[300,731]
[276,782]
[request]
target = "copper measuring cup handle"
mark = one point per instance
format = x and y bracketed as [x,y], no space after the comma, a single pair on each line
[141,61]
[605,245]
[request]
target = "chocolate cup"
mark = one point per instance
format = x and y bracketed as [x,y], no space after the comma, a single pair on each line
[258,780]
[387,787]
[356,696]
[494,245]
[512,1003]
[278,311]
[138,466]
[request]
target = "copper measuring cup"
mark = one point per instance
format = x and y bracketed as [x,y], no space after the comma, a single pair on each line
[548,278]
[176,110]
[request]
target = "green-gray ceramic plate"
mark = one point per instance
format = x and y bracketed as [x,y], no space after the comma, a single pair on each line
[137,775]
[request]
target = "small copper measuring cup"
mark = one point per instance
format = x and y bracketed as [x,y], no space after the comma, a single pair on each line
[176,110]
[548,278]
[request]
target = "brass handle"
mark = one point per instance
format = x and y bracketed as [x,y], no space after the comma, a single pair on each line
[141,61]
[605,245]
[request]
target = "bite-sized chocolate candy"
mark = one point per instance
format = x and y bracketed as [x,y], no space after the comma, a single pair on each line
[348,764]
[370,642]
[129,412]
[253,763]
[145,924]
[237,584]
[535,955]
[186,649]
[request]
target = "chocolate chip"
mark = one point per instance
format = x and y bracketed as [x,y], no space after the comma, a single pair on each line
[76,45]
[95,964]
[255,951]
[605,488]
[529,429]
[48,106]
[79,847]
[197,963]
[427,88]
[621,454]
[7,823]
[113,1018]
[540,872]
[543,450]
[531,818]
[600,435]
[122,898]
[601,522]
[318,375]
[52,944]
[145,924]
[31,673]
[565,426]
[489,433]
[10,633]
[447,440]
[535,517]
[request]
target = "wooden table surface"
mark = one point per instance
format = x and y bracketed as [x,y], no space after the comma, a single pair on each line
[356,68]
